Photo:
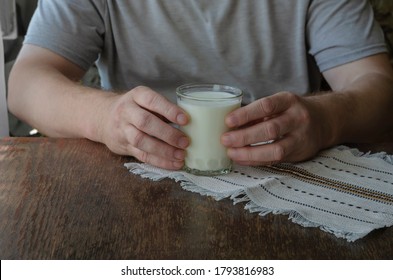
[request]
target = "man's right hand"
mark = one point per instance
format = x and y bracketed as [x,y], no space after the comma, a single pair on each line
[138,124]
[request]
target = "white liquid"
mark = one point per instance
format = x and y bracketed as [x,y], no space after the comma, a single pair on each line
[207,124]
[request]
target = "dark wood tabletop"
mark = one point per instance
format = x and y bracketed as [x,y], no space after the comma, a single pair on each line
[74,199]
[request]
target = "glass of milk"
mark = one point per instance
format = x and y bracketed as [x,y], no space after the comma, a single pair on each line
[207,106]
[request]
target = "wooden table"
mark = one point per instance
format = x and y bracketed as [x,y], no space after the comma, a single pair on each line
[74,199]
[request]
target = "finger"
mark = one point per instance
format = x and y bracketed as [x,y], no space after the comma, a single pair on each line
[271,129]
[152,125]
[155,160]
[266,154]
[262,108]
[153,146]
[154,102]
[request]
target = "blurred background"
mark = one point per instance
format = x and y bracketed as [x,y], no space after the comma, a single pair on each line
[15,16]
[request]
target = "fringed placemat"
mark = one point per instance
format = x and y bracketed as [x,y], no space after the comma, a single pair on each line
[341,191]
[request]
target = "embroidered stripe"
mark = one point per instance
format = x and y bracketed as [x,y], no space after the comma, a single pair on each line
[314,207]
[356,165]
[337,185]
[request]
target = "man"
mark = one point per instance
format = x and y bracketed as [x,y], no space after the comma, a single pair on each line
[274,50]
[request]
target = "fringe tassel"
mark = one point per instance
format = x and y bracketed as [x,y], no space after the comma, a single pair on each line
[300,220]
[381,155]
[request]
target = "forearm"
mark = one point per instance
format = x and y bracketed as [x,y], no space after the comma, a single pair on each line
[359,112]
[55,105]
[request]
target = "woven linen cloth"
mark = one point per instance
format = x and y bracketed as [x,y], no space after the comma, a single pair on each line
[341,190]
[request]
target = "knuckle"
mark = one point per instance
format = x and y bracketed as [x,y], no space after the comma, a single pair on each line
[146,96]
[266,105]
[150,100]
[304,115]
[140,155]
[171,112]
[138,140]
[249,155]
[139,90]
[142,120]
[141,95]
[240,139]
[144,157]
[278,153]
[272,130]
[289,95]
[246,116]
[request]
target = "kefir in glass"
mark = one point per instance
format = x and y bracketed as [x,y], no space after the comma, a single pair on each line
[207,106]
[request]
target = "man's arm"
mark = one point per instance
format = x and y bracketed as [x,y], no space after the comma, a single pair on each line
[358,110]
[43,87]
[365,89]
[44,90]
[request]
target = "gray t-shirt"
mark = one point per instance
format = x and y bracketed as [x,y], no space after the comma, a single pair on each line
[260,46]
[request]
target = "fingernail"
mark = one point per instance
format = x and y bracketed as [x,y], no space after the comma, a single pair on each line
[183,142]
[232,121]
[180,154]
[178,164]
[232,153]
[181,119]
[226,140]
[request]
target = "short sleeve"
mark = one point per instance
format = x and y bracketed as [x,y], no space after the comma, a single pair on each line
[73,29]
[342,31]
